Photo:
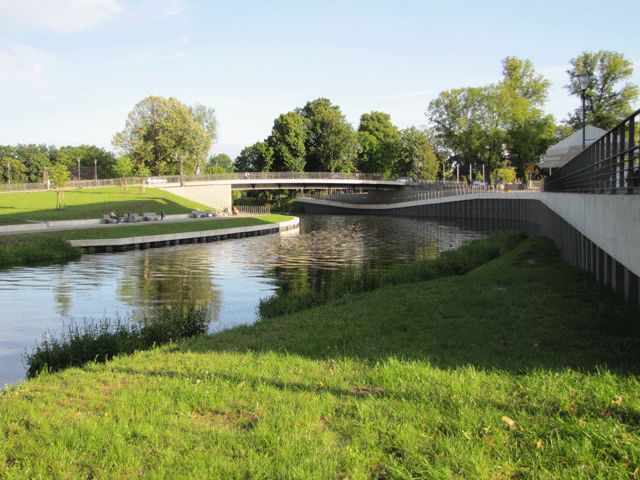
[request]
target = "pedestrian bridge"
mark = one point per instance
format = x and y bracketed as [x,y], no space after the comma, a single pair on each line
[215,190]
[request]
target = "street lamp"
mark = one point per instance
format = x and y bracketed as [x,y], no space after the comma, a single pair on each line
[583,81]
[78,168]
[95,171]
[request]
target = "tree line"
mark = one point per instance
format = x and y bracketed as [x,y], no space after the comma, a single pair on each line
[501,127]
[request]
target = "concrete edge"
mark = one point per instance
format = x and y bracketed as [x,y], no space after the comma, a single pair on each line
[173,237]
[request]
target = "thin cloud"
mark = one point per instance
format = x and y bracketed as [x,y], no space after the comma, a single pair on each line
[60,16]
[23,64]
[420,93]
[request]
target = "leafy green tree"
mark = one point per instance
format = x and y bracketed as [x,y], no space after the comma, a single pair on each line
[529,132]
[331,144]
[416,157]
[287,139]
[607,102]
[123,168]
[379,144]
[143,172]
[14,170]
[167,136]
[220,163]
[505,174]
[255,158]
[59,177]
[87,154]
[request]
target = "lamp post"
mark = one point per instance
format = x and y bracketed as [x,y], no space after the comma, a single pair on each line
[95,171]
[583,81]
[78,168]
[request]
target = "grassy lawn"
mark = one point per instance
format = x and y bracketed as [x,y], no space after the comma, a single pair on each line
[52,247]
[27,207]
[523,368]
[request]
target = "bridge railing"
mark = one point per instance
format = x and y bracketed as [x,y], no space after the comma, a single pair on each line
[609,165]
[157,181]
[445,190]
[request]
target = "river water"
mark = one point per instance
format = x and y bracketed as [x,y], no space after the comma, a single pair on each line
[230,276]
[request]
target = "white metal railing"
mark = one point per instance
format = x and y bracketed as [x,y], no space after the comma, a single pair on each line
[250,210]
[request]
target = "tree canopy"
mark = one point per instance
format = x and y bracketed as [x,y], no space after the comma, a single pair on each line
[163,134]
[607,102]
[379,142]
[287,140]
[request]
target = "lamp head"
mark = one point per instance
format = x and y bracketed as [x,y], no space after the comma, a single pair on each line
[583,80]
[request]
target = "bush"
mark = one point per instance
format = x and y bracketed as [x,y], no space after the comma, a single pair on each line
[103,340]
[34,250]
[454,262]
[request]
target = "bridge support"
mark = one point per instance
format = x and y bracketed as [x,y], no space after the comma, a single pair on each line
[215,196]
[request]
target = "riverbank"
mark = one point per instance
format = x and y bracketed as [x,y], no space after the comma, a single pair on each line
[60,246]
[80,204]
[522,368]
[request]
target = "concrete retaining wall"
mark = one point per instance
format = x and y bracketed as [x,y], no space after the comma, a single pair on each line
[109,245]
[598,233]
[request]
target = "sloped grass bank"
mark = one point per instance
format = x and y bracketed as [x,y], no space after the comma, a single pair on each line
[454,262]
[53,247]
[16,208]
[523,368]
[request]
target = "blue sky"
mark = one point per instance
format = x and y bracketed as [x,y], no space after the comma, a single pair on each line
[71,70]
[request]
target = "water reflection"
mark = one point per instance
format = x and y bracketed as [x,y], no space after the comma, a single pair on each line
[230,276]
[183,278]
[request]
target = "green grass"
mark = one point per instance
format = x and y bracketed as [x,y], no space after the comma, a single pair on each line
[53,247]
[455,262]
[17,208]
[523,368]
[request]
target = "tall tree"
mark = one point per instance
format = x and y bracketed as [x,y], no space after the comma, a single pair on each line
[167,136]
[331,144]
[379,143]
[254,158]
[287,139]
[123,168]
[417,159]
[14,170]
[607,102]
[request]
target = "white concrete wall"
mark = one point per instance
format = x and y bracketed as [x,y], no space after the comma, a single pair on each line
[612,222]
[216,196]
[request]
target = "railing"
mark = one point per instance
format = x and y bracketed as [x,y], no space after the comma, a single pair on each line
[609,165]
[160,180]
[447,190]
[250,210]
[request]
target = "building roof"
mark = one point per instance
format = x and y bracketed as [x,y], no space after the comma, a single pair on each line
[559,154]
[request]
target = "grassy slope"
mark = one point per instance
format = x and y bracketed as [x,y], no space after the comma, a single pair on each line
[18,208]
[497,374]
[151,228]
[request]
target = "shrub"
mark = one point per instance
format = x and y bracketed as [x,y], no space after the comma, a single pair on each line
[37,249]
[105,339]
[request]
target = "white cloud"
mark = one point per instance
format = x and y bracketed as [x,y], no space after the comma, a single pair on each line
[24,65]
[60,16]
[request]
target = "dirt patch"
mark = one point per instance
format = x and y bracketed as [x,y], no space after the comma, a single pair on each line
[362,390]
[226,420]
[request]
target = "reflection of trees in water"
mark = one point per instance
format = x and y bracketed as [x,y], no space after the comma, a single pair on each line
[63,296]
[332,245]
[178,278]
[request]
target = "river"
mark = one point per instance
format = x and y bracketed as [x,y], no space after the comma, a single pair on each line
[230,276]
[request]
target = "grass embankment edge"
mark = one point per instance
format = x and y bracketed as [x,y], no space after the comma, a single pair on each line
[521,368]
[54,247]
[453,262]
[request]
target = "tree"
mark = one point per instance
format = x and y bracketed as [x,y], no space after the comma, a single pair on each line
[529,132]
[123,168]
[220,163]
[331,144]
[167,136]
[90,156]
[143,172]
[287,140]
[416,157]
[59,177]
[255,158]
[379,144]
[14,170]
[607,103]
